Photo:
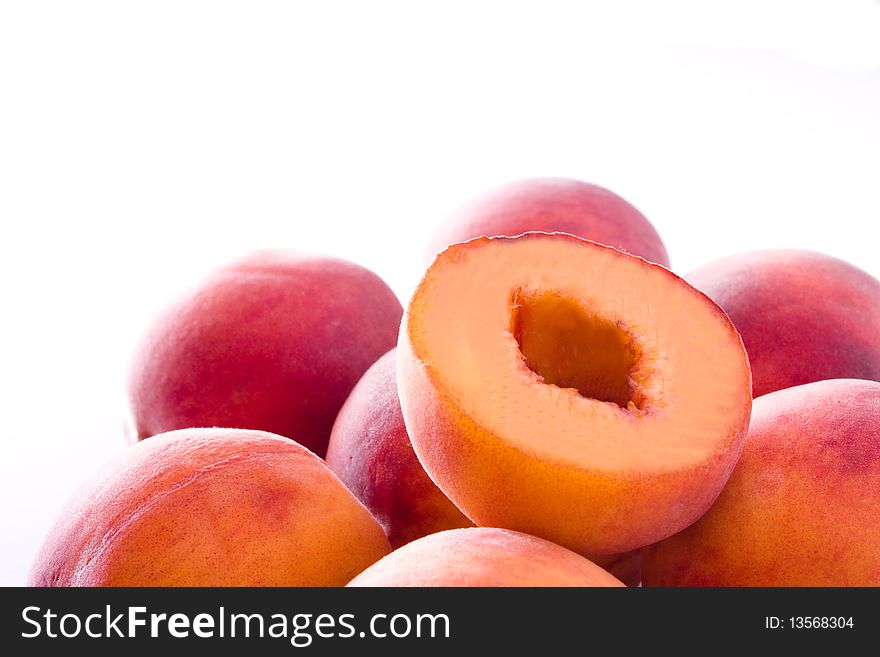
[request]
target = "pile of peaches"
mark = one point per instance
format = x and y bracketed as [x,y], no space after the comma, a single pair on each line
[554,407]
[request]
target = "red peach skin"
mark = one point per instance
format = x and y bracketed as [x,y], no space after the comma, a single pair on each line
[552,205]
[274,342]
[803,316]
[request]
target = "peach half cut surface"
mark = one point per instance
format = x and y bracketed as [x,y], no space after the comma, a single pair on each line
[571,391]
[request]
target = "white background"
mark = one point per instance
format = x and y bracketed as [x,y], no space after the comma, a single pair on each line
[142,144]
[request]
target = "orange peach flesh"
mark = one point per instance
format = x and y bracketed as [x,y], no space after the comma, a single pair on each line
[577,393]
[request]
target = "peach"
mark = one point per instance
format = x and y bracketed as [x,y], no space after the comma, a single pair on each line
[481,556]
[371,453]
[803,316]
[273,342]
[553,205]
[577,393]
[211,507]
[802,507]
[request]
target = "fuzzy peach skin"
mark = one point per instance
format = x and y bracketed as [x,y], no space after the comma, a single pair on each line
[211,507]
[371,453]
[803,316]
[512,450]
[273,342]
[802,507]
[552,205]
[481,556]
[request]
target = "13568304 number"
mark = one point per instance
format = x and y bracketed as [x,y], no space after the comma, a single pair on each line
[820,622]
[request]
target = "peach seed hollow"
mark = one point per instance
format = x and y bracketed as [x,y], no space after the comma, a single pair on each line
[569,347]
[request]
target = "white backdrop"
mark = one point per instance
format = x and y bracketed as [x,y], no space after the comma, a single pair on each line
[142,144]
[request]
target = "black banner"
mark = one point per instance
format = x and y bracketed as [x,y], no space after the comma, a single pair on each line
[433,621]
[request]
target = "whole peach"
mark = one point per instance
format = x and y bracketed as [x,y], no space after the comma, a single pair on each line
[211,507]
[554,205]
[483,556]
[273,342]
[803,316]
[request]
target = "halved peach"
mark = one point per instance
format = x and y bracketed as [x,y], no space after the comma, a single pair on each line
[568,390]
